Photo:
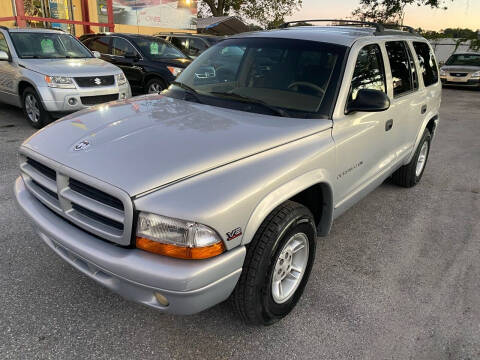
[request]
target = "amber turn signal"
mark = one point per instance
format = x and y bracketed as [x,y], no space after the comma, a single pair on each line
[180,252]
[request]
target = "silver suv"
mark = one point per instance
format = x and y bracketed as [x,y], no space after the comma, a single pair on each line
[219,186]
[49,74]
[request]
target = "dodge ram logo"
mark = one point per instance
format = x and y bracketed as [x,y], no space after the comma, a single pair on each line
[81,145]
[97,81]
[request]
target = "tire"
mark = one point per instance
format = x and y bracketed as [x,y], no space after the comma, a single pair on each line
[409,175]
[33,109]
[154,86]
[256,297]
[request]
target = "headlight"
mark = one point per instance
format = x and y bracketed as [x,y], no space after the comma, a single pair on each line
[443,72]
[60,82]
[476,74]
[177,238]
[174,70]
[121,79]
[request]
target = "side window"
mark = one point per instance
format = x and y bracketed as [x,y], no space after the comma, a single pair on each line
[400,63]
[196,47]
[3,44]
[428,66]
[100,44]
[413,68]
[369,72]
[121,47]
[180,43]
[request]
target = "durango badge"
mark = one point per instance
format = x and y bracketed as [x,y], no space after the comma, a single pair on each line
[234,233]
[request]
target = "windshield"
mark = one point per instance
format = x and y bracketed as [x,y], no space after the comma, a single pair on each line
[464,59]
[155,48]
[48,46]
[297,76]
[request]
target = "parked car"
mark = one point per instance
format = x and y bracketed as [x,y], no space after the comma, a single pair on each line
[149,63]
[191,44]
[462,69]
[49,74]
[219,186]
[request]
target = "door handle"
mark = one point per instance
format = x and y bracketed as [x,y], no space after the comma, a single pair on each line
[389,125]
[424,109]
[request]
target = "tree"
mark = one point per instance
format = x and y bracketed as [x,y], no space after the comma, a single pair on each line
[268,13]
[391,11]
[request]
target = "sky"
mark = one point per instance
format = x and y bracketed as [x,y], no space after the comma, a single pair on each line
[460,13]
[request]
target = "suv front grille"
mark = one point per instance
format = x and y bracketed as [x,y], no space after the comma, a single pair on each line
[95,81]
[459,74]
[101,210]
[98,99]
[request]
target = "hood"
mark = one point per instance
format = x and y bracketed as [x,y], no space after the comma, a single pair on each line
[70,67]
[460,68]
[182,63]
[145,142]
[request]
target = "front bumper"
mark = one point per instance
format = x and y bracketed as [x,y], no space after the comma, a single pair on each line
[190,286]
[473,83]
[70,100]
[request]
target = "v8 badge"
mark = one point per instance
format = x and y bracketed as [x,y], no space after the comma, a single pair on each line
[234,233]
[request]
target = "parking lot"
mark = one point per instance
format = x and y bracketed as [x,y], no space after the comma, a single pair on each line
[397,278]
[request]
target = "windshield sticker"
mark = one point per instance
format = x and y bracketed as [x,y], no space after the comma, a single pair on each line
[47,46]
[153,48]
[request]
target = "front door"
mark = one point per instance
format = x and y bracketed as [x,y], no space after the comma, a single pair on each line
[362,139]
[126,57]
[7,76]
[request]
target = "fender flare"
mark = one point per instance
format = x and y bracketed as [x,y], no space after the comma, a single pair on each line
[32,84]
[286,192]
[430,117]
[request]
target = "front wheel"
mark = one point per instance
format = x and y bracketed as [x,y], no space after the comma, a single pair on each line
[277,266]
[409,175]
[33,108]
[154,86]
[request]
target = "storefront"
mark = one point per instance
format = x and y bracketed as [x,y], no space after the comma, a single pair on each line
[83,16]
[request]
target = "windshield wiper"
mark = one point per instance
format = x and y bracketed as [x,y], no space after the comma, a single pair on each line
[188,89]
[251,100]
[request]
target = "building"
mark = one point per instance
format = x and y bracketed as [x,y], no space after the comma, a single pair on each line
[84,16]
[447,46]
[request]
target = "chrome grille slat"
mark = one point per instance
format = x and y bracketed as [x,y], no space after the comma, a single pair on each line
[93,205]
[39,177]
[99,228]
[88,203]
[42,196]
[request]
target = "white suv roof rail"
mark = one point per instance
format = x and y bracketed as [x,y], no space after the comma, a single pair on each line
[379,27]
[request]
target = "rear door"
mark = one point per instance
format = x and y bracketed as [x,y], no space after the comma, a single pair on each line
[407,101]
[430,84]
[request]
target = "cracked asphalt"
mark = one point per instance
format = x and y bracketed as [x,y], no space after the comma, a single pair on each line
[397,278]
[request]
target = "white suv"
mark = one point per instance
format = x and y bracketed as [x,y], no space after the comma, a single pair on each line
[219,186]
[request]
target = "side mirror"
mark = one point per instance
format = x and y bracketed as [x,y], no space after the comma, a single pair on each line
[4,56]
[369,100]
[96,54]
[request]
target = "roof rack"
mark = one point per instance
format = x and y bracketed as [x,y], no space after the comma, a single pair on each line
[379,27]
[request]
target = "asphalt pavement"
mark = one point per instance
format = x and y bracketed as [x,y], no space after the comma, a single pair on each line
[397,278]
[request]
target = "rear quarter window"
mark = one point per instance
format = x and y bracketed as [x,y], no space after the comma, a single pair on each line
[428,65]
